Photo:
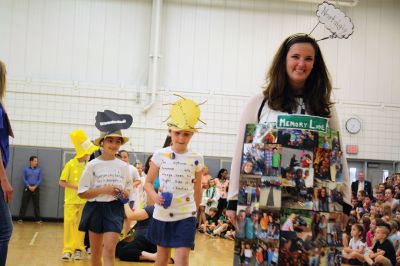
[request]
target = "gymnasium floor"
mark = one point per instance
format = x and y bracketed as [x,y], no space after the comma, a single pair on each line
[41,245]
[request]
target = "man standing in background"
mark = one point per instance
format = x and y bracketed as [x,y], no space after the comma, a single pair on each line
[32,179]
[361,184]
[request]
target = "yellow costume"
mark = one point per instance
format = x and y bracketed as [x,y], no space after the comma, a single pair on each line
[73,205]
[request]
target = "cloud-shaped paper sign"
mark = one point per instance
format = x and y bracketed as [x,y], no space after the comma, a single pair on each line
[335,20]
[109,121]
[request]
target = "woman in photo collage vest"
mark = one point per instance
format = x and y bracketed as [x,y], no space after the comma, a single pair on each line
[297,82]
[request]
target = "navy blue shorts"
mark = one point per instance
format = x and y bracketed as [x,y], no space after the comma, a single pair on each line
[101,217]
[176,234]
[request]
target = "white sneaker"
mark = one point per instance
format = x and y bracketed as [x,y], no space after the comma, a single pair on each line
[88,251]
[78,255]
[66,256]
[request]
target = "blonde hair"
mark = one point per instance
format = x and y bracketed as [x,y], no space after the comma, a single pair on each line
[292,216]
[3,73]
[209,182]
[384,229]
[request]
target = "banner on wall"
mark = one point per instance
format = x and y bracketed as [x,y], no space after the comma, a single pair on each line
[290,193]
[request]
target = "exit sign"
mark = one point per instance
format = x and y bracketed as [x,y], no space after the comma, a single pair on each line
[352,149]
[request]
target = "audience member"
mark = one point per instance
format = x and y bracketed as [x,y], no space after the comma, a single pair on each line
[137,247]
[32,179]
[361,184]
[222,185]
[383,252]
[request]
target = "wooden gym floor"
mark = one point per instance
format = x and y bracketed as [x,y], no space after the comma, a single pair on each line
[41,245]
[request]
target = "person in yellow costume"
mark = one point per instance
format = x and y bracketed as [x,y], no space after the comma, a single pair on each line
[73,204]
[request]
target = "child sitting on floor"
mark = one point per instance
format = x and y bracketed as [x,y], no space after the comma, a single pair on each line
[383,252]
[356,250]
[211,221]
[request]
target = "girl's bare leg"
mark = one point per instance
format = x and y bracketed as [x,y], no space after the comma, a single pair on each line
[182,256]
[96,246]
[110,240]
[163,255]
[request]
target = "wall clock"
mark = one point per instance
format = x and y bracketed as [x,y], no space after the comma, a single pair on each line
[353,125]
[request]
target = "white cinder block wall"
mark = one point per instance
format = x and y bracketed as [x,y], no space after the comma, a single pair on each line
[68,59]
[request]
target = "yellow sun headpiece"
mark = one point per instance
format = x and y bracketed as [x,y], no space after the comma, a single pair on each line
[184,115]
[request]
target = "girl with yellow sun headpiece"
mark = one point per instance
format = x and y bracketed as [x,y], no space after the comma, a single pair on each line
[180,171]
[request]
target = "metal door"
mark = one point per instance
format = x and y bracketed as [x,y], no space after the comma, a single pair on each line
[377,172]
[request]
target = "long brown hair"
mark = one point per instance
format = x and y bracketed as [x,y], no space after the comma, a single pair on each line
[318,87]
[3,73]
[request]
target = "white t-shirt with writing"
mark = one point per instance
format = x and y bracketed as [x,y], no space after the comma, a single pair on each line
[99,173]
[177,174]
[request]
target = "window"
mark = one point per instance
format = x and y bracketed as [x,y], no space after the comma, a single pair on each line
[385,174]
[353,172]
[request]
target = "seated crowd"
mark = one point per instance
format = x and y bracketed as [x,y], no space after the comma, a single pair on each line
[371,235]
[212,219]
